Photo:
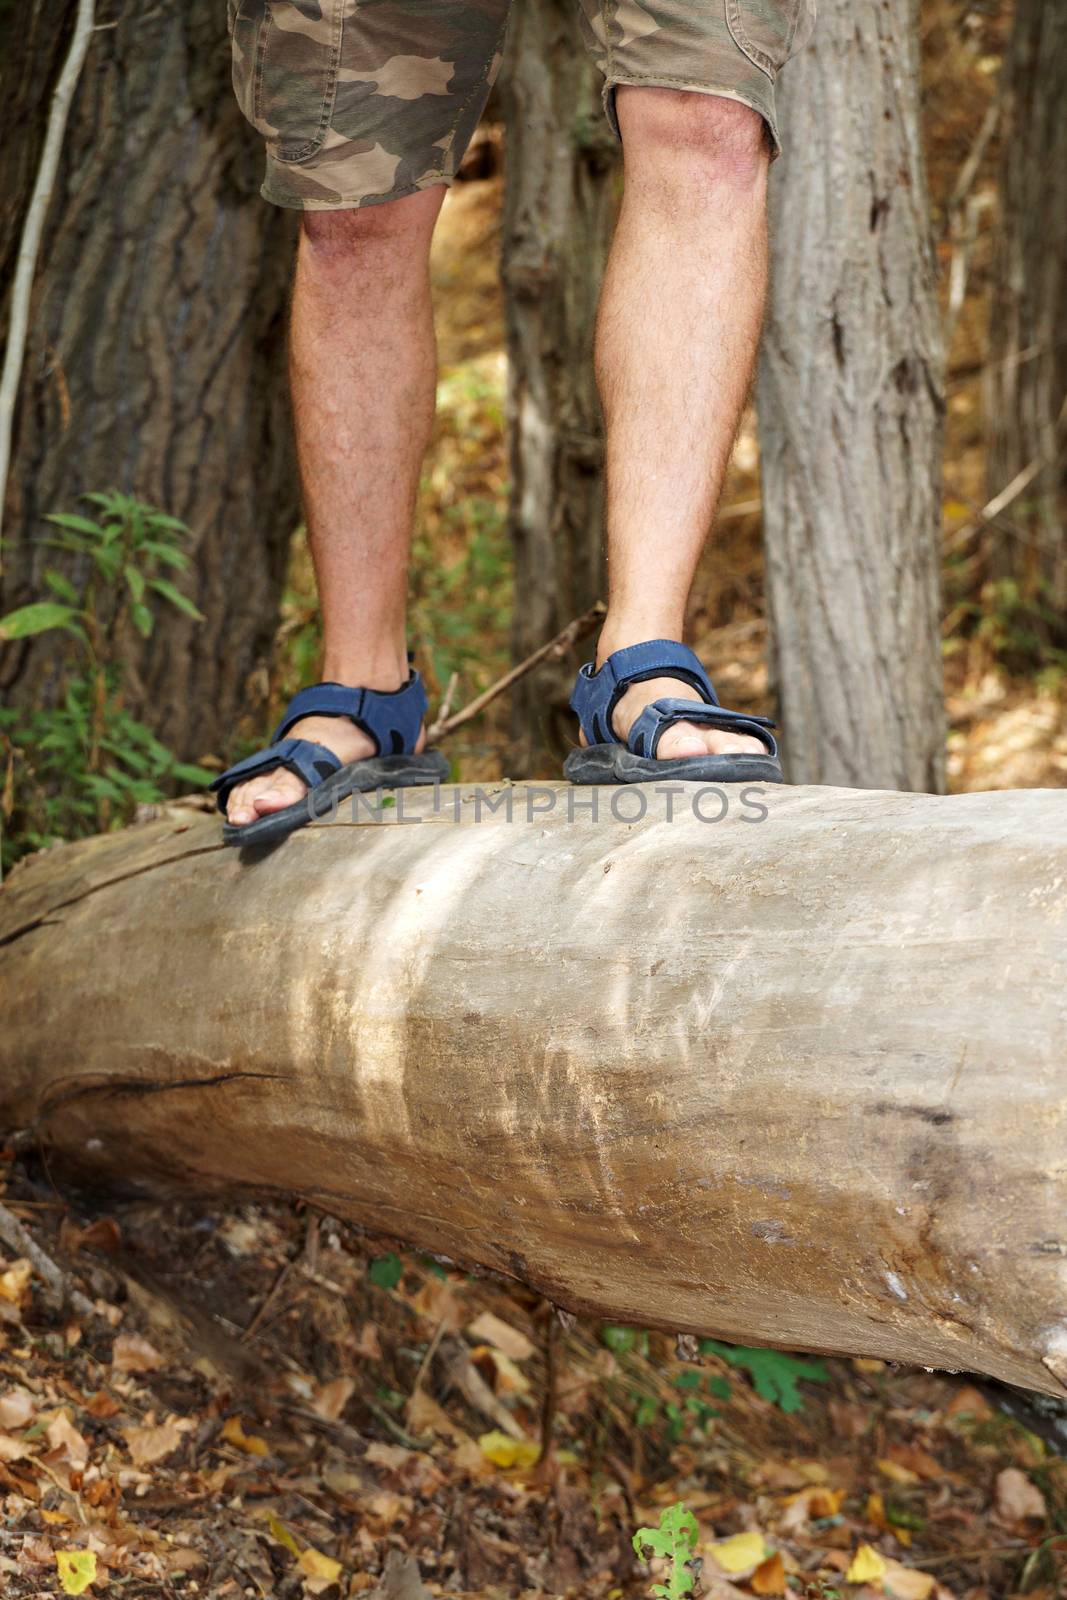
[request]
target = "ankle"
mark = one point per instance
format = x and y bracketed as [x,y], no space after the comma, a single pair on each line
[620,632]
[384,670]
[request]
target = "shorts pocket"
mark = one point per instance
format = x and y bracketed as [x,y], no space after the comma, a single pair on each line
[770,31]
[286,57]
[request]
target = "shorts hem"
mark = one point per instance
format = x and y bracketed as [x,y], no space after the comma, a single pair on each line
[290,202]
[656,80]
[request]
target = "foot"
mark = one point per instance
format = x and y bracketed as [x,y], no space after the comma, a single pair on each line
[683,738]
[276,790]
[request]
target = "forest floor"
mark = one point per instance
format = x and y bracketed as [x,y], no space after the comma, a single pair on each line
[259,1401]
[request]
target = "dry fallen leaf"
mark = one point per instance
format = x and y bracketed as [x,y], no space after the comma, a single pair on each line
[507,1378]
[155,1442]
[769,1576]
[424,1415]
[906,1583]
[315,1565]
[249,1443]
[12,1449]
[393,1457]
[740,1552]
[331,1398]
[808,1505]
[369,1345]
[494,1330]
[15,1282]
[63,1435]
[440,1304]
[897,1473]
[971,1403]
[17,1408]
[132,1353]
[1017,1497]
[919,1460]
[867,1566]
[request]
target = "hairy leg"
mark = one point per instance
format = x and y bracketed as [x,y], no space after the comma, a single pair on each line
[677,334]
[363,375]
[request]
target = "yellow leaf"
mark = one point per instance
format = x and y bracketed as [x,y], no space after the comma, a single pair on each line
[315,1565]
[741,1551]
[15,1281]
[503,1451]
[250,1443]
[896,1473]
[279,1531]
[77,1570]
[867,1566]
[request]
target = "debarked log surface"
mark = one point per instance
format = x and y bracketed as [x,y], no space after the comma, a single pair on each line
[795,1076]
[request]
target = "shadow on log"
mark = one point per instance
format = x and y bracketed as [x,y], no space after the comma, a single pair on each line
[793,1077]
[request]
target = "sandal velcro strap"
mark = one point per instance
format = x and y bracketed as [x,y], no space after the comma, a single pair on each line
[652,724]
[393,719]
[310,762]
[596,694]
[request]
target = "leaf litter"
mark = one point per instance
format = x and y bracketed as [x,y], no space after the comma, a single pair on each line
[267,1402]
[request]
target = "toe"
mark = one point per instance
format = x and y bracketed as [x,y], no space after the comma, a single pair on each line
[278,794]
[683,739]
[238,808]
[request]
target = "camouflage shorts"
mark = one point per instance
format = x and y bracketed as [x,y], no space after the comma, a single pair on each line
[362,101]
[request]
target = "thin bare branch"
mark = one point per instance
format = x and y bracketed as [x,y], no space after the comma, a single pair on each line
[568,636]
[33,228]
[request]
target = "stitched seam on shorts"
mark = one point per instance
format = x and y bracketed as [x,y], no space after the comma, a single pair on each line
[311,146]
[791,38]
[475,90]
[737,27]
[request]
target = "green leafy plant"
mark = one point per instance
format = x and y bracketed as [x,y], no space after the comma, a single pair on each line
[85,763]
[774,1375]
[675,1540]
[385,1272]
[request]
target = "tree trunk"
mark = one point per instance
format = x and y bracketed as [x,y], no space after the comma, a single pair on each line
[558,215]
[850,405]
[1026,392]
[156,357]
[777,1082]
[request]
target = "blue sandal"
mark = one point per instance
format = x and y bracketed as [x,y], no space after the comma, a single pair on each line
[392,720]
[605,760]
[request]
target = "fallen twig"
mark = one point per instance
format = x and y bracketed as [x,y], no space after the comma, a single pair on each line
[16,1237]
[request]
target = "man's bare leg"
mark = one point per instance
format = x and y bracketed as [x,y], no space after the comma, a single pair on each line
[363,374]
[677,333]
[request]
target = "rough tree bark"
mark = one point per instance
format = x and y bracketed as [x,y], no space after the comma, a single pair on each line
[850,408]
[156,358]
[799,1082]
[1026,393]
[558,215]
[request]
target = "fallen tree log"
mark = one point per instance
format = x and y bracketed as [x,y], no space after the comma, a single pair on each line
[793,1077]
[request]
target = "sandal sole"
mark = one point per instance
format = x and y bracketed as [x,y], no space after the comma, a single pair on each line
[613,763]
[376,772]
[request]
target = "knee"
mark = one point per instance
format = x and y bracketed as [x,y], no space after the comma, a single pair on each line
[333,239]
[704,138]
